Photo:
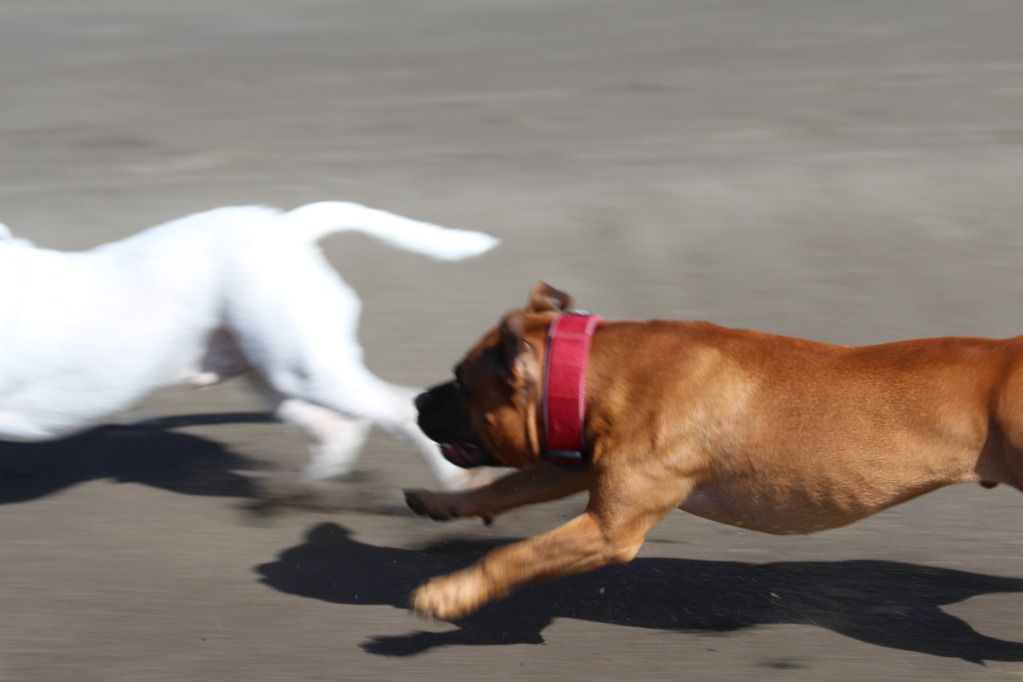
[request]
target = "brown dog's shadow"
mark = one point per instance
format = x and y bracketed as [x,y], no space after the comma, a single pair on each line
[147,453]
[886,603]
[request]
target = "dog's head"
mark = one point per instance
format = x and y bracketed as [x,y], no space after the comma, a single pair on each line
[488,414]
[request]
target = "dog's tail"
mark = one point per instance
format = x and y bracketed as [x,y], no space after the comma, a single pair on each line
[325,217]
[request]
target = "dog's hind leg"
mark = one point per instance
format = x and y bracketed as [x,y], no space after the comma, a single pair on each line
[366,398]
[337,404]
[447,474]
[297,328]
[335,439]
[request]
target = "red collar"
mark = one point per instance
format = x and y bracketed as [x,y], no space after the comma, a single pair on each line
[564,387]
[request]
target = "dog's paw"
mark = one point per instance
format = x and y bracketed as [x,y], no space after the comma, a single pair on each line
[437,506]
[442,506]
[450,597]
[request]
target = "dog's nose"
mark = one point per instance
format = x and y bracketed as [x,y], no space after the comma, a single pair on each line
[422,400]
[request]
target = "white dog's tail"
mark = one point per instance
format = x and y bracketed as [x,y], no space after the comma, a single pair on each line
[322,218]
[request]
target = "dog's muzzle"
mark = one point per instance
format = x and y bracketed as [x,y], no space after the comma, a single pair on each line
[441,412]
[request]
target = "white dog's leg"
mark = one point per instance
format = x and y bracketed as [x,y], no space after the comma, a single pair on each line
[395,411]
[336,440]
[296,326]
[337,410]
[404,425]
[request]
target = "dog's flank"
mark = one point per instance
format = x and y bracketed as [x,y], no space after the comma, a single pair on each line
[200,299]
[761,431]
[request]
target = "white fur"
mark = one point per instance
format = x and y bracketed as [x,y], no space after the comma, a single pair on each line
[83,336]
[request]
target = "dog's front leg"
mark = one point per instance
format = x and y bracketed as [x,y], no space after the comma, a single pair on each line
[621,512]
[540,482]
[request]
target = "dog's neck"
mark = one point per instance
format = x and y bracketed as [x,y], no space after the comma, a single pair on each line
[606,402]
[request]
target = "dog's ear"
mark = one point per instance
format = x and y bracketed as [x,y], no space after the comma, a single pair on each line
[512,343]
[545,298]
[516,360]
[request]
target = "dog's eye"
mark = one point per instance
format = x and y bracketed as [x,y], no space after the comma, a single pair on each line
[459,386]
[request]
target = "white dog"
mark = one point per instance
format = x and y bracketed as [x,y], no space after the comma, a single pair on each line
[83,336]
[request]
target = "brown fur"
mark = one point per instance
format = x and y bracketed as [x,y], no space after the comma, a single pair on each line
[766,432]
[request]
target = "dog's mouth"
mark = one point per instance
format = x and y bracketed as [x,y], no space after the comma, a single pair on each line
[465,455]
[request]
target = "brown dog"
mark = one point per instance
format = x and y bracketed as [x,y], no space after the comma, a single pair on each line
[771,433]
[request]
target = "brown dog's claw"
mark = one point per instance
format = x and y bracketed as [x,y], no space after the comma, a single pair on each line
[429,504]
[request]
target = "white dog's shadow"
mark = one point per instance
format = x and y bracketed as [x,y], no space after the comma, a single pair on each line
[886,603]
[148,453]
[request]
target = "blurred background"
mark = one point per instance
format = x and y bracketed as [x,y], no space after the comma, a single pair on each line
[846,171]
